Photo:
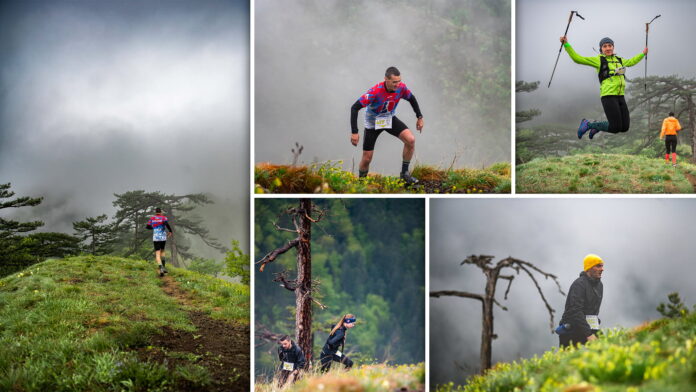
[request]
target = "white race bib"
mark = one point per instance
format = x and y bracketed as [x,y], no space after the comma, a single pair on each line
[383,122]
[593,320]
[338,354]
[289,366]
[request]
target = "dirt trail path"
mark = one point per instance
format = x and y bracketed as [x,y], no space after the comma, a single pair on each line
[691,178]
[219,346]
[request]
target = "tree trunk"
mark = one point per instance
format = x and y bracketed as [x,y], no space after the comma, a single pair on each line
[92,246]
[175,252]
[487,330]
[303,291]
[135,234]
[692,118]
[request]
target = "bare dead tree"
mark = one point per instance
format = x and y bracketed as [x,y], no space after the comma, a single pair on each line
[296,152]
[493,273]
[304,288]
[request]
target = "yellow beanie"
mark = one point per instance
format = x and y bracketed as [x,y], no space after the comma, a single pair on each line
[591,260]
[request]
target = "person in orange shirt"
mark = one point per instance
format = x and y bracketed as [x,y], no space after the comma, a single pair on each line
[670,127]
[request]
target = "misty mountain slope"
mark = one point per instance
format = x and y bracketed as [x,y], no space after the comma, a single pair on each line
[657,356]
[605,173]
[329,177]
[105,323]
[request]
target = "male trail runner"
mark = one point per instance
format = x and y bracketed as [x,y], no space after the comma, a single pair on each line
[292,360]
[157,224]
[381,101]
[581,315]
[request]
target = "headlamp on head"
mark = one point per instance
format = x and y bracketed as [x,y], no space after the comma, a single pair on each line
[349,320]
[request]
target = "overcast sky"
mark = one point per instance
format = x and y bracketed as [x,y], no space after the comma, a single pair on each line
[313,62]
[103,97]
[575,88]
[647,246]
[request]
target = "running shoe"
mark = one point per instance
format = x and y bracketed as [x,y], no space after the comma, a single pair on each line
[164,269]
[161,271]
[584,127]
[593,132]
[408,179]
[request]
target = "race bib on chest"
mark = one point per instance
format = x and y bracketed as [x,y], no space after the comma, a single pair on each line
[593,320]
[339,354]
[383,122]
[288,366]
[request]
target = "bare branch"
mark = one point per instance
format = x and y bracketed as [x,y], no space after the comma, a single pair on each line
[509,279]
[495,301]
[535,268]
[262,333]
[283,228]
[281,277]
[322,306]
[270,257]
[541,293]
[454,293]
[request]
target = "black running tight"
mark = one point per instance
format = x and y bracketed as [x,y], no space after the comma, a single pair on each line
[671,143]
[617,113]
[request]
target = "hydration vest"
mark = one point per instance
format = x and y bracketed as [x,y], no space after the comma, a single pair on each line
[604,72]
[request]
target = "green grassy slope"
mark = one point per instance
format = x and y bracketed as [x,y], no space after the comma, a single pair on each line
[657,356]
[366,378]
[87,324]
[604,173]
[328,177]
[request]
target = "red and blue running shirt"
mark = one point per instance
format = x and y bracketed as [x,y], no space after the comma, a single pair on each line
[159,232]
[380,102]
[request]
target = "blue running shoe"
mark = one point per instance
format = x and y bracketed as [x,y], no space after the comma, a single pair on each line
[584,127]
[593,132]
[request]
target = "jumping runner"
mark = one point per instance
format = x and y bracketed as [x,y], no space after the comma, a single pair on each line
[610,70]
[670,127]
[337,338]
[381,101]
[157,224]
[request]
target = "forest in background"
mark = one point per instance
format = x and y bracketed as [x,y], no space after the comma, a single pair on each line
[649,101]
[123,235]
[368,257]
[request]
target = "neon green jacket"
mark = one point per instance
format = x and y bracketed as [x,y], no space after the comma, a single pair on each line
[613,85]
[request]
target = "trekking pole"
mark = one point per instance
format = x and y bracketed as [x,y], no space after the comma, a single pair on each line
[561,48]
[647,27]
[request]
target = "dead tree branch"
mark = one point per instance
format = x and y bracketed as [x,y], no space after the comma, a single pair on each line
[488,300]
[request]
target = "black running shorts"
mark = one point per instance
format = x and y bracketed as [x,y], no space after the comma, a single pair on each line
[159,245]
[370,137]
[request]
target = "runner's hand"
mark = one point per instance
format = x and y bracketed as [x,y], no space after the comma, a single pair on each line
[169,234]
[591,338]
[354,138]
[419,124]
[564,39]
[645,51]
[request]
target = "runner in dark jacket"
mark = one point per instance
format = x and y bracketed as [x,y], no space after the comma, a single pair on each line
[582,304]
[333,349]
[292,360]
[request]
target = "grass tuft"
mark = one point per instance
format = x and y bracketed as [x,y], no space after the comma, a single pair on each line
[329,177]
[604,173]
